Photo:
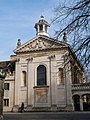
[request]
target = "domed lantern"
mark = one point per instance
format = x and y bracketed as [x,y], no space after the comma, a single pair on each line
[42,27]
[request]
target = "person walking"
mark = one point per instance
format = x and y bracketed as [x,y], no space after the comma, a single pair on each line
[22,107]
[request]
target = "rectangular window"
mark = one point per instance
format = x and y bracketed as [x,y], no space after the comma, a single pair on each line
[6,102]
[6,86]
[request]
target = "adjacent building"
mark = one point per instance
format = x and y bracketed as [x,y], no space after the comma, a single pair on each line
[44,74]
[1,95]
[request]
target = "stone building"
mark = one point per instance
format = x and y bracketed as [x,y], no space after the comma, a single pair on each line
[44,74]
[1,95]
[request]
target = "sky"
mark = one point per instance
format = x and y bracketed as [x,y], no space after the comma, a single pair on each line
[17,20]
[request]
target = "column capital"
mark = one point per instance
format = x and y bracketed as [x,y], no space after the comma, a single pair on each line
[29,59]
[17,59]
[51,56]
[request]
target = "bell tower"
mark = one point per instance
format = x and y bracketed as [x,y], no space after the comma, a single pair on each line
[42,27]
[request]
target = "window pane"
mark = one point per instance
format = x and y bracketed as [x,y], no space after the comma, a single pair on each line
[41,27]
[6,102]
[41,75]
[6,86]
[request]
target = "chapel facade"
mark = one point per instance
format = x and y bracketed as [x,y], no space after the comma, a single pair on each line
[44,74]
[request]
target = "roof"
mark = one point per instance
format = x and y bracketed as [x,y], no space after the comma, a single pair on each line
[42,21]
[41,42]
[5,64]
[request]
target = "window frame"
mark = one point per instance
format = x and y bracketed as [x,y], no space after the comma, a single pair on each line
[6,86]
[6,102]
[41,27]
[41,75]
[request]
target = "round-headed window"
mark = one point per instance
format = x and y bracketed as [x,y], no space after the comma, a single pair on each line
[41,75]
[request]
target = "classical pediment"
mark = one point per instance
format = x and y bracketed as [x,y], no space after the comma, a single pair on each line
[40,43]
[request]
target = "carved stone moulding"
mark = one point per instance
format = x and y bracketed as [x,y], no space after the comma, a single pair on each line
[41,94]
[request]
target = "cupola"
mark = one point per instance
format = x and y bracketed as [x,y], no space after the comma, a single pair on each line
[42,27]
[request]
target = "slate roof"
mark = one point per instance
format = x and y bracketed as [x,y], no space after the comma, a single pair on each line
[5,65]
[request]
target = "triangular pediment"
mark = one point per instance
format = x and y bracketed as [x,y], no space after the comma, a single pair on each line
[40,43]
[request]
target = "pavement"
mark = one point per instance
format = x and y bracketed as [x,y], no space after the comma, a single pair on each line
[47,116]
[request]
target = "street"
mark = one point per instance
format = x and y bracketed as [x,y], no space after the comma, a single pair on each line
[48,116]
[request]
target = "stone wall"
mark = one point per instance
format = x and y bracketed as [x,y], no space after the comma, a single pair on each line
[1,99]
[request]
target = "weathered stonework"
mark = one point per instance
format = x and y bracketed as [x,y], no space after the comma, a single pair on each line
[1,96]
[43,75]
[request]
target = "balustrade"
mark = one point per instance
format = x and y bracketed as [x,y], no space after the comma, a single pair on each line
[81,86]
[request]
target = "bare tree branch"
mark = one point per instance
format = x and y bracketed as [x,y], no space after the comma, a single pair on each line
[75,20]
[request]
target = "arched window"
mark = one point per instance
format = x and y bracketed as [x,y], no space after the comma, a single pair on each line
[23,82]
[41,75]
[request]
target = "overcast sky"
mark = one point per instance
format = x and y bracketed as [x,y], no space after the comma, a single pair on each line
[17,20]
